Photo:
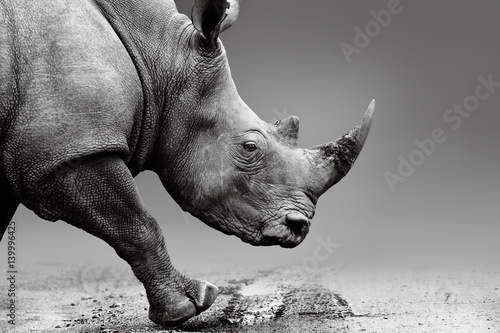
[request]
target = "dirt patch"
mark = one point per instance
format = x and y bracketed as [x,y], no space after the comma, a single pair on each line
[106,299]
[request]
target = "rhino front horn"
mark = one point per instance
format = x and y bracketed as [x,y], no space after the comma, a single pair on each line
[333,160]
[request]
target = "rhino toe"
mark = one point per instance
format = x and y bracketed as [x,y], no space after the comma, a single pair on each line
[206,296]
[175,315]
[180,308]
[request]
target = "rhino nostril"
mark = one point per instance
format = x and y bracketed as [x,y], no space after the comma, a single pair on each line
[298,223]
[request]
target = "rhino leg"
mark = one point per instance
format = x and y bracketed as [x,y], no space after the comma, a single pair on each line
[100,197]
[9,206]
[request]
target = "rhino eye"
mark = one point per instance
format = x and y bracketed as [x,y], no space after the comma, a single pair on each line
[250,146]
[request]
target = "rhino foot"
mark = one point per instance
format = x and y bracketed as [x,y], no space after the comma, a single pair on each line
[179,307]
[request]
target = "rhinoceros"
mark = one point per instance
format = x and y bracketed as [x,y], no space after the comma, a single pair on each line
[93,92]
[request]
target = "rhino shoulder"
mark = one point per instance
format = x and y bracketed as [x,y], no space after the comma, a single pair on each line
[78,92]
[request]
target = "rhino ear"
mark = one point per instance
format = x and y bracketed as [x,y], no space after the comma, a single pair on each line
[211,17]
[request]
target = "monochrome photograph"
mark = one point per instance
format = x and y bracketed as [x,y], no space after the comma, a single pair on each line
[249,166]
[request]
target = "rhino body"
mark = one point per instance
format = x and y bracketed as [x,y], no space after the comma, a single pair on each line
[94,92]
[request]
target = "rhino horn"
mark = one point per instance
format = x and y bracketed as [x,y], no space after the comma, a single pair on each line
[288,130]
[333,160]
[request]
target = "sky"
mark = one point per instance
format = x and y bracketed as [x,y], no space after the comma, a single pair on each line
[425,186]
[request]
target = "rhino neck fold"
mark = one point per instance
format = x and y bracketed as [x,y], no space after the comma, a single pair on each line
[140,25]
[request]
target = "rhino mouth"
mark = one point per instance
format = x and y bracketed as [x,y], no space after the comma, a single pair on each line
[287,232]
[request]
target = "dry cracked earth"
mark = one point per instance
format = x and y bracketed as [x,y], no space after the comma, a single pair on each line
[108,299]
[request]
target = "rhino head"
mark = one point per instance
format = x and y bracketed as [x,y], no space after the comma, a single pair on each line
[233,171]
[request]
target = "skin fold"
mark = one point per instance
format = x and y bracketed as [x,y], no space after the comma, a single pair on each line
[92,92]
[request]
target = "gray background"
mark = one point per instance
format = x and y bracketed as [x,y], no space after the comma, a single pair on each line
[285,58]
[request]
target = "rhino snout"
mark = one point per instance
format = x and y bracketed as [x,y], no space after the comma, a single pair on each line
[288,232]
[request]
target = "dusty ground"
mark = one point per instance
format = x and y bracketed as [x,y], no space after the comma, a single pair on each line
[105,299]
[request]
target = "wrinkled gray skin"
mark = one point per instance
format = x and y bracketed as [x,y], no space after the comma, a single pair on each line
[94,92]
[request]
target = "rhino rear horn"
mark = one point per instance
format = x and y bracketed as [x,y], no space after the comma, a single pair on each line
[211,17]
[288,129]
[332,161]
